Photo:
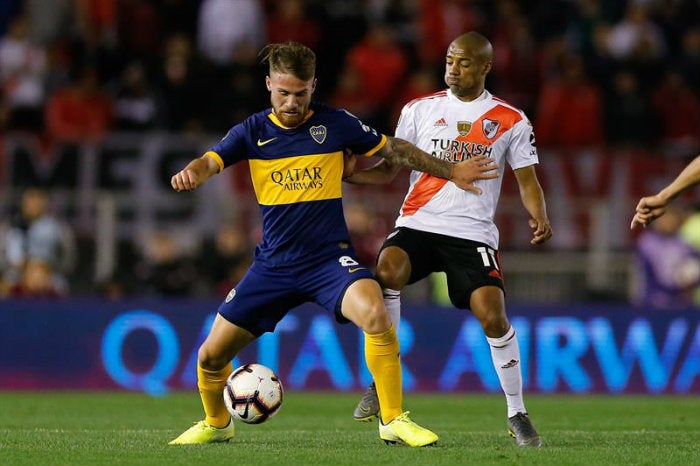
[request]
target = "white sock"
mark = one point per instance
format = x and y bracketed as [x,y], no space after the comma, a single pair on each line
[505,353]
[392,301]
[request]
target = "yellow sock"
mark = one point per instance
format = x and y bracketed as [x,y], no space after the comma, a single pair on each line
[211,389]
[382,357]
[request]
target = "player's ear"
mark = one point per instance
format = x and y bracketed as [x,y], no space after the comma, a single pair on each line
[313,86]
[487,67]
[267,83]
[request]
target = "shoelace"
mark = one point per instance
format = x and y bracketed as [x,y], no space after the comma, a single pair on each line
[370,394]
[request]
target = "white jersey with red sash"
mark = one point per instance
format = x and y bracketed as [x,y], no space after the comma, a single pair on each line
[453,130]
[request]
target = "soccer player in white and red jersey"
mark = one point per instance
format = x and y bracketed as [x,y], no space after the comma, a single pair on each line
[443,228]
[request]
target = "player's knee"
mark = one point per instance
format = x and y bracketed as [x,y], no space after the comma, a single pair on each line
[495,324]
[375,318]
[210,359]
[389,275]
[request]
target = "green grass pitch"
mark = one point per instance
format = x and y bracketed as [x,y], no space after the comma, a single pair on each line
[89,428]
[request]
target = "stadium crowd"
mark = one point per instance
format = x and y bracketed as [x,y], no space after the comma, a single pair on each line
[589,73]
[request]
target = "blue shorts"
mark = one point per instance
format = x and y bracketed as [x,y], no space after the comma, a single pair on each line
[264,296]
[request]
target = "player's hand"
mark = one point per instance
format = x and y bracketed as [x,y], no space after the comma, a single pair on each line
[542,230]
[479,167]
[648,209]
[186,179]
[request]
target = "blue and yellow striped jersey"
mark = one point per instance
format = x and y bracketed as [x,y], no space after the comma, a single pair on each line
[297,177]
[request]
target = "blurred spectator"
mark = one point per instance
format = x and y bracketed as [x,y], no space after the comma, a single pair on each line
[629,121]
[36,281]
[689,61]
[22,75]
[552,55]
[570,109]
[97,22]
[226,27]
[343,23]
[440,21]
[678,111]
[97,42]
[589,16]
[637,42]
[350,94]
[601,64]
[418,83]
[165,270]
[636,34]
[399,16]
[58,68]
[669,268]
[515,76]
[381,65]
[80,111]
[139,29]
[230,35]
[50,21]
[225,258]
[124,279]
[552,18]
[35,234]
[235,97]
[288,21]
[137,105]
[180,82]
[179,16]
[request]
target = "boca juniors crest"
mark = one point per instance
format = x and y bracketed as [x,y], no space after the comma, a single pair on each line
[463,127]
[318,133]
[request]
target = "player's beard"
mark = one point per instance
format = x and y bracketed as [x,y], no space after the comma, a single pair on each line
[291,120]
[454,84]
[465,92]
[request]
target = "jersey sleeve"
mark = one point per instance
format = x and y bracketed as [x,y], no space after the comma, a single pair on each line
[358,137]
[522,151]
[232,148]
[406,127]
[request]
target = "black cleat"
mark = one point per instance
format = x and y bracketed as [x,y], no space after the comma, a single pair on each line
[368,407]
[521,429]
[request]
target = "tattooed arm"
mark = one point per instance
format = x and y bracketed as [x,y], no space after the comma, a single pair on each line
[400,153]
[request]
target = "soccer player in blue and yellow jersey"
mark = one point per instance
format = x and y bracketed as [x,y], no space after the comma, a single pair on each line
[295,151]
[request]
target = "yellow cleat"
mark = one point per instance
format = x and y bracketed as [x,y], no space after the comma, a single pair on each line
[200,432]
[403,430]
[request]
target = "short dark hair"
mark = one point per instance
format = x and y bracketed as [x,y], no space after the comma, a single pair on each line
[290,58]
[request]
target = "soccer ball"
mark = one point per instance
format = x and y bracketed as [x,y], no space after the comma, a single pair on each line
[253,393]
